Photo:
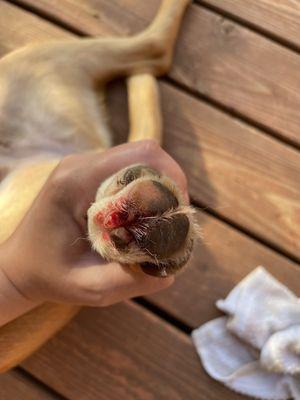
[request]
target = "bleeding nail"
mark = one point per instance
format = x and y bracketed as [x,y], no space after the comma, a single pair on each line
[112,220]
[115,219]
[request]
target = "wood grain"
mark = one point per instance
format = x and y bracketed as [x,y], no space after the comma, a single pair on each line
[228,63]
[281,19]
[247,177]
[123,352]
[16,22]
[219,262]
[14,386]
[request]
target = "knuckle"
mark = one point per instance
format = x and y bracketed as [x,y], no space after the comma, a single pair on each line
[68,162]
[150,148]
[63,172]
[61,181]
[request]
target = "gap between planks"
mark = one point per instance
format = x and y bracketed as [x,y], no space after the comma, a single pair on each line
[236,226]
[47,17]
[207,99]
[164,315]
[249,25]
[18,381]
[235,114]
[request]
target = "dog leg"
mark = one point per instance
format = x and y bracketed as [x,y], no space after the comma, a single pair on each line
[143,92]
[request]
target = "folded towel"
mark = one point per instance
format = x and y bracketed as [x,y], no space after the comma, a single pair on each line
[255,350]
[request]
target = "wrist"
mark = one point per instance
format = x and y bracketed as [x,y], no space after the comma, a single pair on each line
[12,302]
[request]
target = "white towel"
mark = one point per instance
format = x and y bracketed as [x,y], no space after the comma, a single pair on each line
[255,350]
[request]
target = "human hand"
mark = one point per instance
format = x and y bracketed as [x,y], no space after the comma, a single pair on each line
[48,256]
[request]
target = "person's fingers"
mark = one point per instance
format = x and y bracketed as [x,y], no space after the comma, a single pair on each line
[103,165]
[105,284]
[146,151]
[75,181]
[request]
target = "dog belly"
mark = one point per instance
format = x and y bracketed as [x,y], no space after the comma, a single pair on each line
[40,118]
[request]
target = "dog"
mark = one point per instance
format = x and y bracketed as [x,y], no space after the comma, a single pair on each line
[50,88]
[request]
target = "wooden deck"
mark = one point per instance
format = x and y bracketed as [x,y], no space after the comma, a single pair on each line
[232,119]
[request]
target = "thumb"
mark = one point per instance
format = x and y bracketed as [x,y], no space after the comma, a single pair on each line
[105,284]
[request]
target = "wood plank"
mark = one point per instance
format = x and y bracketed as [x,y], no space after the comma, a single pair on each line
[13,385]
[13,25]
[112,353]
[278,18]
[240,69]
[245,176]
[249,178]
[218,263]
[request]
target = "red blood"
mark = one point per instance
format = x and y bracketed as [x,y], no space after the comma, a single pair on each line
[115,219]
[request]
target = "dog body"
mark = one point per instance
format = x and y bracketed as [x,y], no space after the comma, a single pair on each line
[49,107]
